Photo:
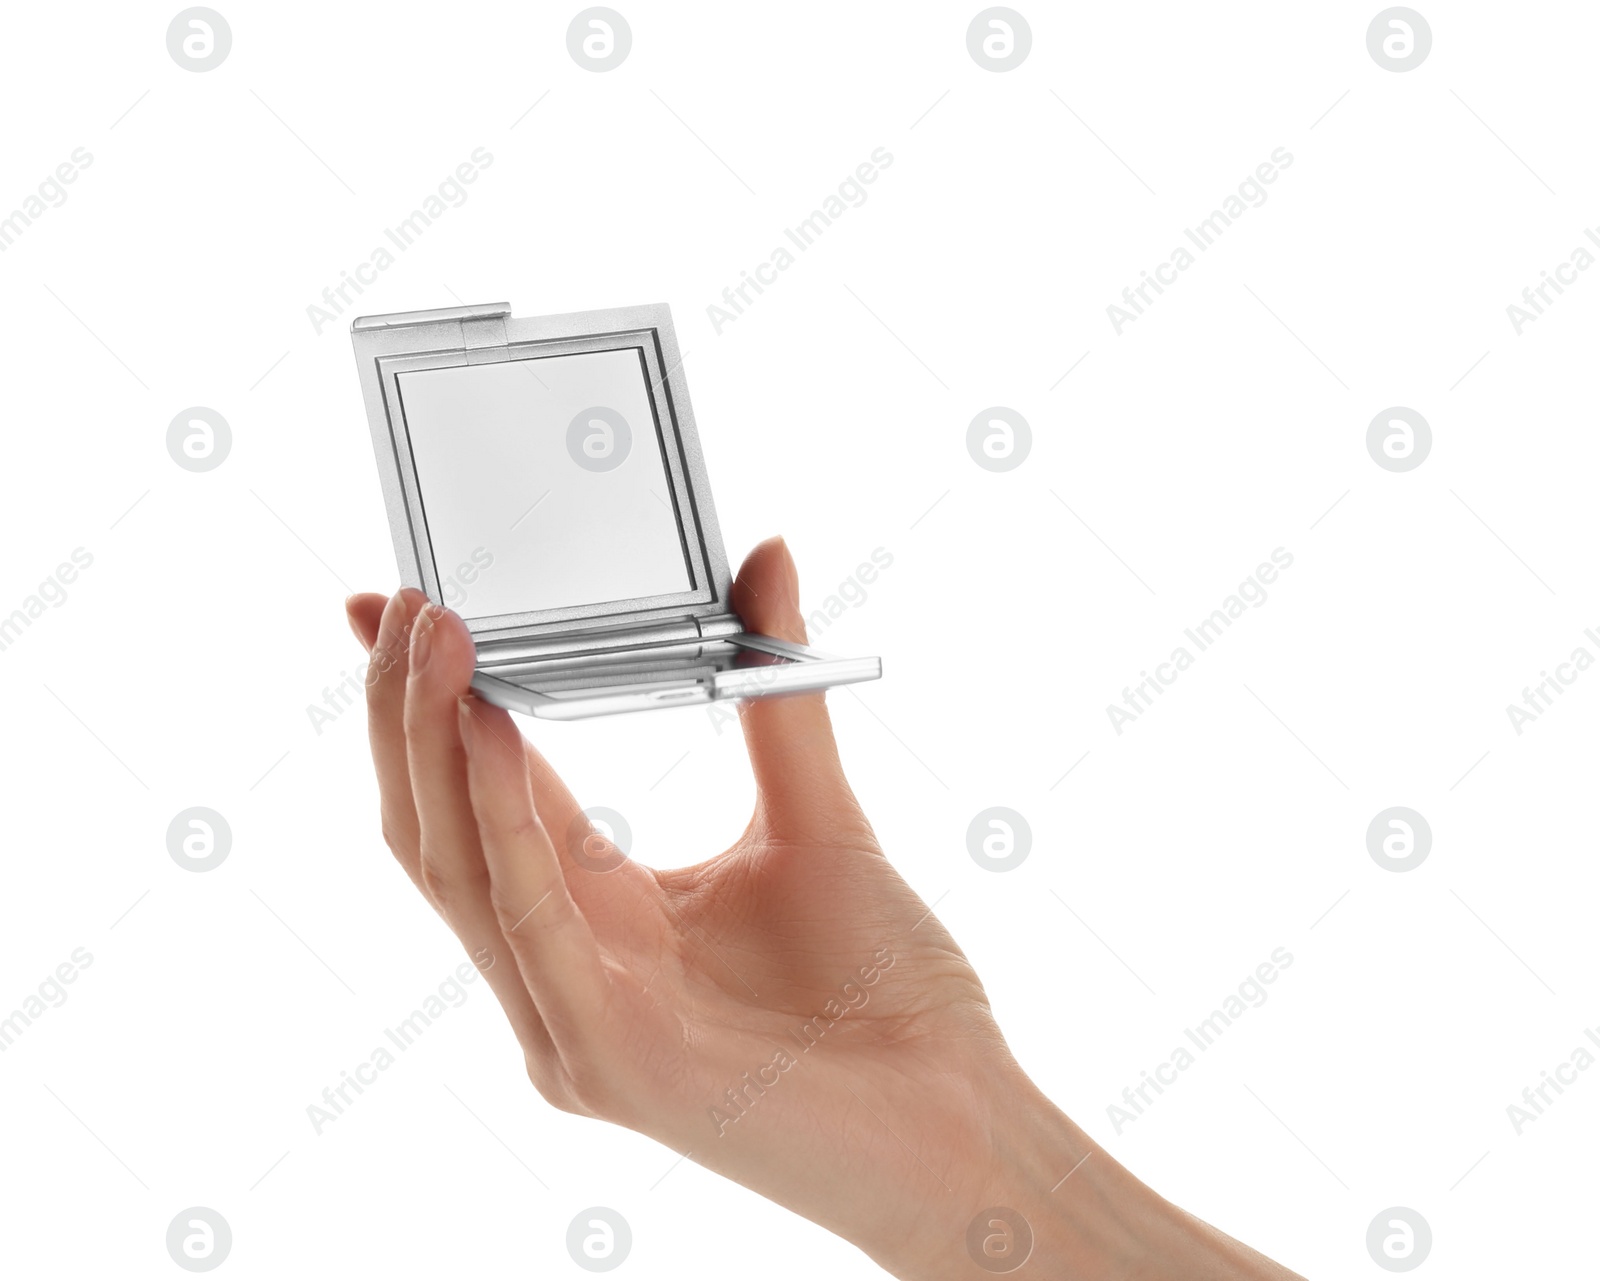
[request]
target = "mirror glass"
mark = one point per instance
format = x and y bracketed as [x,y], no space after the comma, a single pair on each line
[543,483]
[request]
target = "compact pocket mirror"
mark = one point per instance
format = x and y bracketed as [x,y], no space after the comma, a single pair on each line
[544,479]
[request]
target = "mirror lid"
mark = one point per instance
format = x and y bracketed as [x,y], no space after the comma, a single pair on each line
[389,345]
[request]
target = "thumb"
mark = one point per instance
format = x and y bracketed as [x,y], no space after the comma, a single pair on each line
[799,780]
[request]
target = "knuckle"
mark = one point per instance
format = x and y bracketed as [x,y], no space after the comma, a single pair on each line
[395,835]
[543,907]
[438,881]
[506,914]
[512,911]
[449,880]
[552,1088]
[592,1091]
[545,1071]
[512,832]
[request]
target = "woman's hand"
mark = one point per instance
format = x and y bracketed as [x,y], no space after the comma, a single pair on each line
[787,1012]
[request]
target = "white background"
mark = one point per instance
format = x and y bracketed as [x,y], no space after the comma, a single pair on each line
[1221,825]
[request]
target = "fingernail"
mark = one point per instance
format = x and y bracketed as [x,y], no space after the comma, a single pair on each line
[389,629]
[422,638]
[349,617]
[792,578]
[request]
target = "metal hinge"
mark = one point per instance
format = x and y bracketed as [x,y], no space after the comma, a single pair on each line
[485,339]
[482,327]
[510,649]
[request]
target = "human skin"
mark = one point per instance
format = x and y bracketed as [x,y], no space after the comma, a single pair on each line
[667,1001]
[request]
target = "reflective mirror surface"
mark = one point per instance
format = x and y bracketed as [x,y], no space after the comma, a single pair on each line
[543,483]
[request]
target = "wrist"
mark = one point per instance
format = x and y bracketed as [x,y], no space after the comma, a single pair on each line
[1035,1192]
[1043,1199]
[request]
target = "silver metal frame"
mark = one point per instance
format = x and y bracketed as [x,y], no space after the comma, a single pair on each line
[810,670]
[449,337]
[387,346]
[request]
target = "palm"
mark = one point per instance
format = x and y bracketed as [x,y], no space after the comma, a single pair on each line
[789,993]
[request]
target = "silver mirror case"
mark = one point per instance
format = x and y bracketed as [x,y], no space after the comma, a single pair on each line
[682,623]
